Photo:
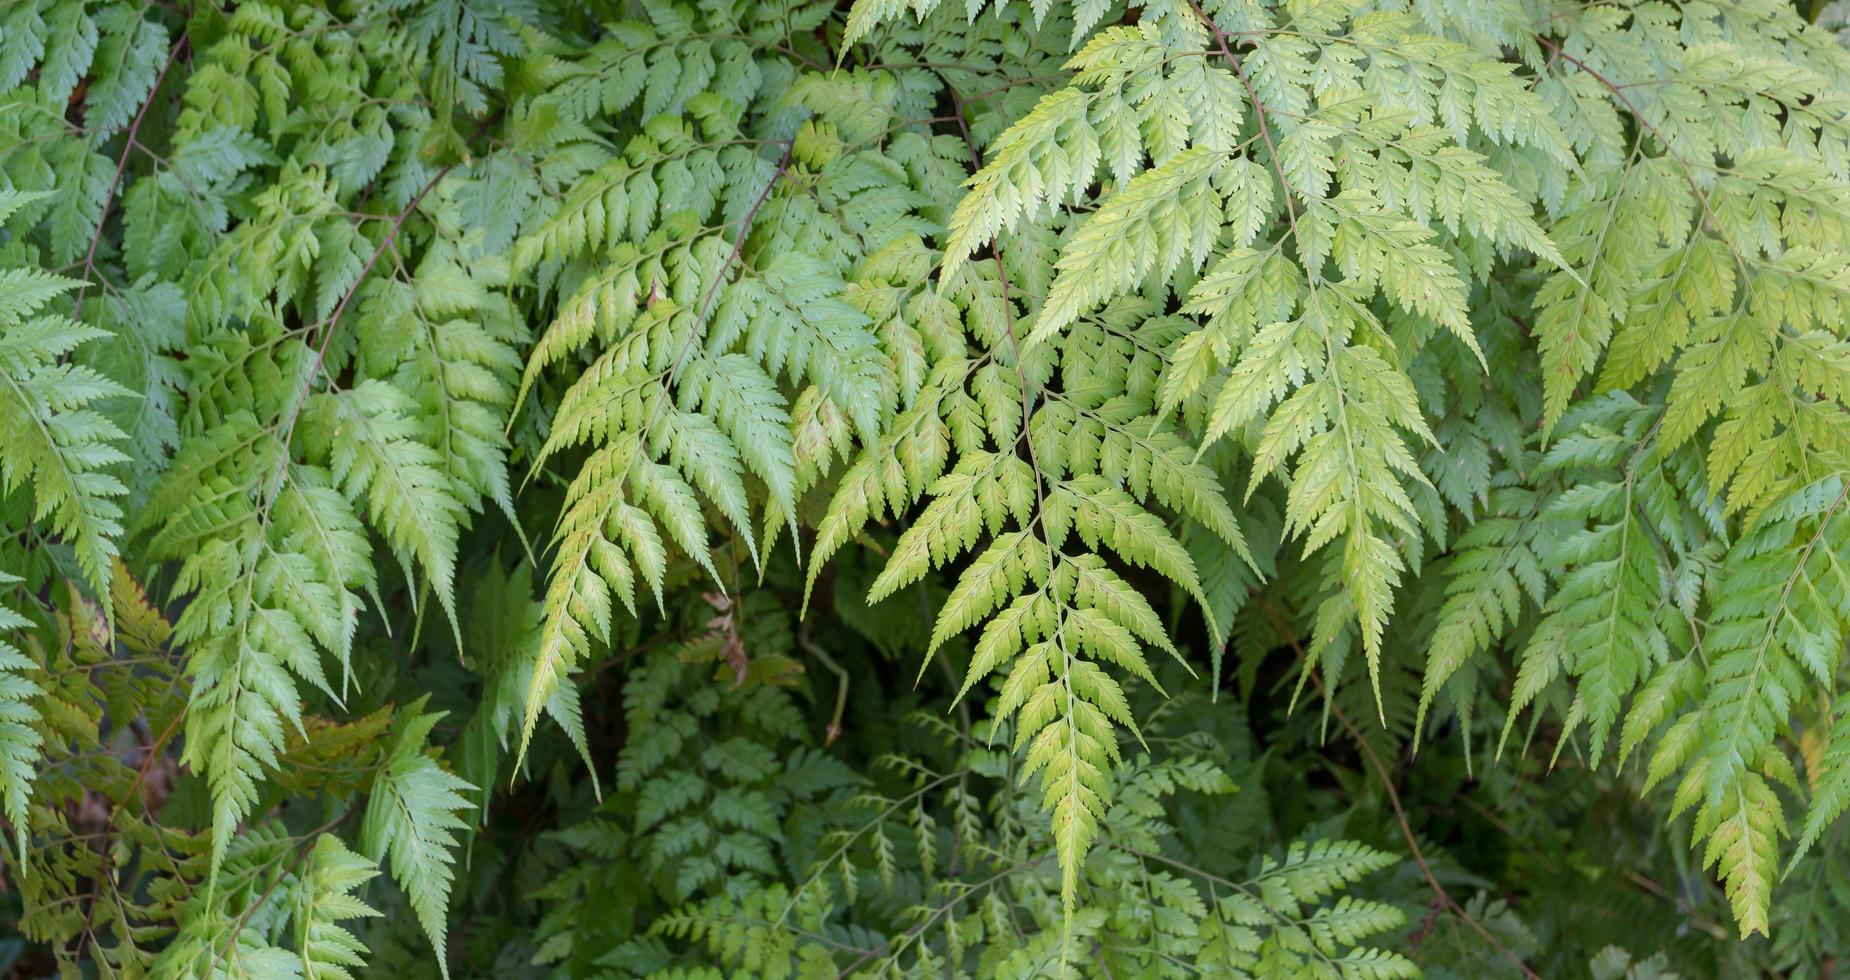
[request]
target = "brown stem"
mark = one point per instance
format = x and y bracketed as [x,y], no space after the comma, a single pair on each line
[1259,110]
[300,856]
[706,303]
[1008,312]
[346,299]
[841,687]
[121,164]
[1400,815]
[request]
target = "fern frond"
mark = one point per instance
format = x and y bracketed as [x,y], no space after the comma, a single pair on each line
[19,717]
[326,899]
[1778,623]
[59,443]
[411,823]
[369,437]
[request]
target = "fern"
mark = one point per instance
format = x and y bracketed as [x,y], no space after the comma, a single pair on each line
[19,736]
[63,448]
[919,456]
[1612,614]
[1283,890]
[1783,608]
[411,821]
[327,947]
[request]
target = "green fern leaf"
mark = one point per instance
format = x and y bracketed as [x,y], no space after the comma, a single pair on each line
[411,823]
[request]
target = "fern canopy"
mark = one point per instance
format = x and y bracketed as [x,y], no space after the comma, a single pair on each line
[873,488]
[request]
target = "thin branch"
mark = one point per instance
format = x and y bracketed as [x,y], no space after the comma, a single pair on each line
[301,854]
[1400,814]
[1259,110]
[122,164]
[705,306]
[841,687]
[346,300]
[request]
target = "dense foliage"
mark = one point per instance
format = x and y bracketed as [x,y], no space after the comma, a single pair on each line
[526,488]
